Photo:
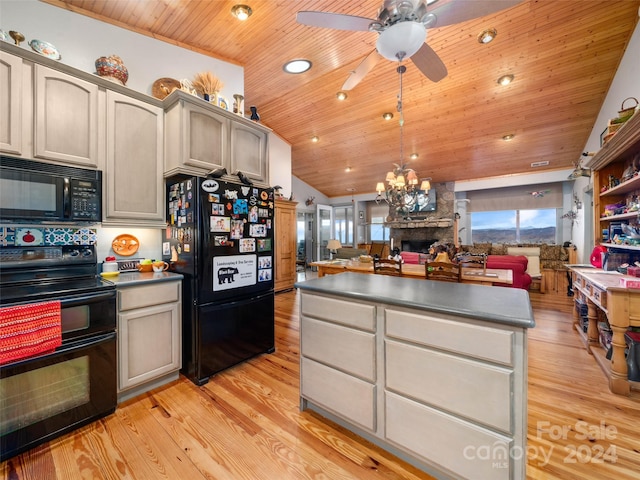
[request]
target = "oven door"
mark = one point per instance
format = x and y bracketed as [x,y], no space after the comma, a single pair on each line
[88,314]
[44,397]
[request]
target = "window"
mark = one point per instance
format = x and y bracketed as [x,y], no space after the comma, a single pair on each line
[343,224]
[515,226]
[377,214]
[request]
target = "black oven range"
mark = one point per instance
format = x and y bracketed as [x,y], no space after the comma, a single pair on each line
[47,395]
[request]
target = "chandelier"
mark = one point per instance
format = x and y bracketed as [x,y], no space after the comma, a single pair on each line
[403,191]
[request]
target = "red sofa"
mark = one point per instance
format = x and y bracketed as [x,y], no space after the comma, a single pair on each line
[517,264]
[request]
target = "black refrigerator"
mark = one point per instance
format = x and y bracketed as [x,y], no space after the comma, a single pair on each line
[219,235]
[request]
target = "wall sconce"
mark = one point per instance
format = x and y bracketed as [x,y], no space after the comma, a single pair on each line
[577,202]
[241,12]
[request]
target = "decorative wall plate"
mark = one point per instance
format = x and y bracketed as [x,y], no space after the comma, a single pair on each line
[223,103]
[4,36]
[164,86]
[45,49]
[125,244]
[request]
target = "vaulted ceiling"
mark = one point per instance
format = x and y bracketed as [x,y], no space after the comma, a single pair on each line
[563,54]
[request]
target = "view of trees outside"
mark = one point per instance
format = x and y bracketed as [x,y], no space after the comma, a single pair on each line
[514,226]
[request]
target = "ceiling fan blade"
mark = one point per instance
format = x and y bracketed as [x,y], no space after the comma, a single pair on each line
[336,21]
[361,70]
[457,11]
[429,63]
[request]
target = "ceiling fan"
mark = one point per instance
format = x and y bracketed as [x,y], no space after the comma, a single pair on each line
[402,27]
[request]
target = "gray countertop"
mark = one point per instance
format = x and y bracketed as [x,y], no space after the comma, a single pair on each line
[129,279]
[508,306]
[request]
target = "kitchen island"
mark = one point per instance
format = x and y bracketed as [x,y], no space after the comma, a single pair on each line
[434,372]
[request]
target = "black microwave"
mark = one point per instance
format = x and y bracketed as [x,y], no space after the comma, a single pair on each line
[32,191]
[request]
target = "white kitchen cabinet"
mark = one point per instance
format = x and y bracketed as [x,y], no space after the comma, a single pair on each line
[338,358]
[201,137]
[11,103]
[133,173]
[249,151]
[66,124]
[149,336]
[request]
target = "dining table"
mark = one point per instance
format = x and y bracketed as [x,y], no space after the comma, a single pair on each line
[478,276]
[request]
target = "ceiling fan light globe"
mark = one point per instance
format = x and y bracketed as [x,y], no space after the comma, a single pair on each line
[406,37]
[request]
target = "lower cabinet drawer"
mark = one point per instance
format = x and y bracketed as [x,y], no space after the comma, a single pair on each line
[352,351]
[446,382]
[351,314]
[452,334]
[146,295]
[467,450]
[347,396]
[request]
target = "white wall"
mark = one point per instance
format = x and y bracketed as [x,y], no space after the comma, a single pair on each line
[81,40]
[625,84]
[280,164]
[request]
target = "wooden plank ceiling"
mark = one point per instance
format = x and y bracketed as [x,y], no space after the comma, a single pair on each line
[563,53]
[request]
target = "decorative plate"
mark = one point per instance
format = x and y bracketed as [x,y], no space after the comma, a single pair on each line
[125,245]
[4,36]
[164,86]
[45,49]
[223,103]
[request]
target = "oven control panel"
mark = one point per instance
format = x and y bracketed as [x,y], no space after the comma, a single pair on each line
[21,257]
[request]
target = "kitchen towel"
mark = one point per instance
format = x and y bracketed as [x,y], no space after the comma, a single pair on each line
[30,329]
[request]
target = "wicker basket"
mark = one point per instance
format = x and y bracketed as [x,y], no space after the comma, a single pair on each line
[627,112]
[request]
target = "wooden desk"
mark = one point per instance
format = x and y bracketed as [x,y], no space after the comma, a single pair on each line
[600,290]
[411,270]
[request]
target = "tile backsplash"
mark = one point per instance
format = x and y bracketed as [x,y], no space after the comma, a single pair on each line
[36,235]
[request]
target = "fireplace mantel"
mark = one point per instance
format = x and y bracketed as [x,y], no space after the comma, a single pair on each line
[421,223]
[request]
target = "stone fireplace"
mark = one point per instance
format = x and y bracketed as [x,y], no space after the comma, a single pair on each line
[417,233]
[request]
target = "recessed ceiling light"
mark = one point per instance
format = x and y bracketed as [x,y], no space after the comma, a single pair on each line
[508,137]
[348,169]
[315,139]
[341,96]
[488,35]
[241,12]
[297,66]
[506,79]
[413,156]
[387,115]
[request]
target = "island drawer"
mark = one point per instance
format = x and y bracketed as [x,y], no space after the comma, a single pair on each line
[350,350]
[352,314]
[439,387]
[342,394]
[147,295]
[432,435]
[452,334]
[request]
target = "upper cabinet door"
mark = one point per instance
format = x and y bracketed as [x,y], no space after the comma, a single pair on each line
[10,104]
[66,126]
[249,151]
[196,138]
[134,162]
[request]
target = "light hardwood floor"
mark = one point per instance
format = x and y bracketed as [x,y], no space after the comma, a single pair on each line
[246,424]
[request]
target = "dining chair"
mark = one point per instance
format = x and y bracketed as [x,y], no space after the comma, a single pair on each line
[443,271]
[387,266]
[377,248]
